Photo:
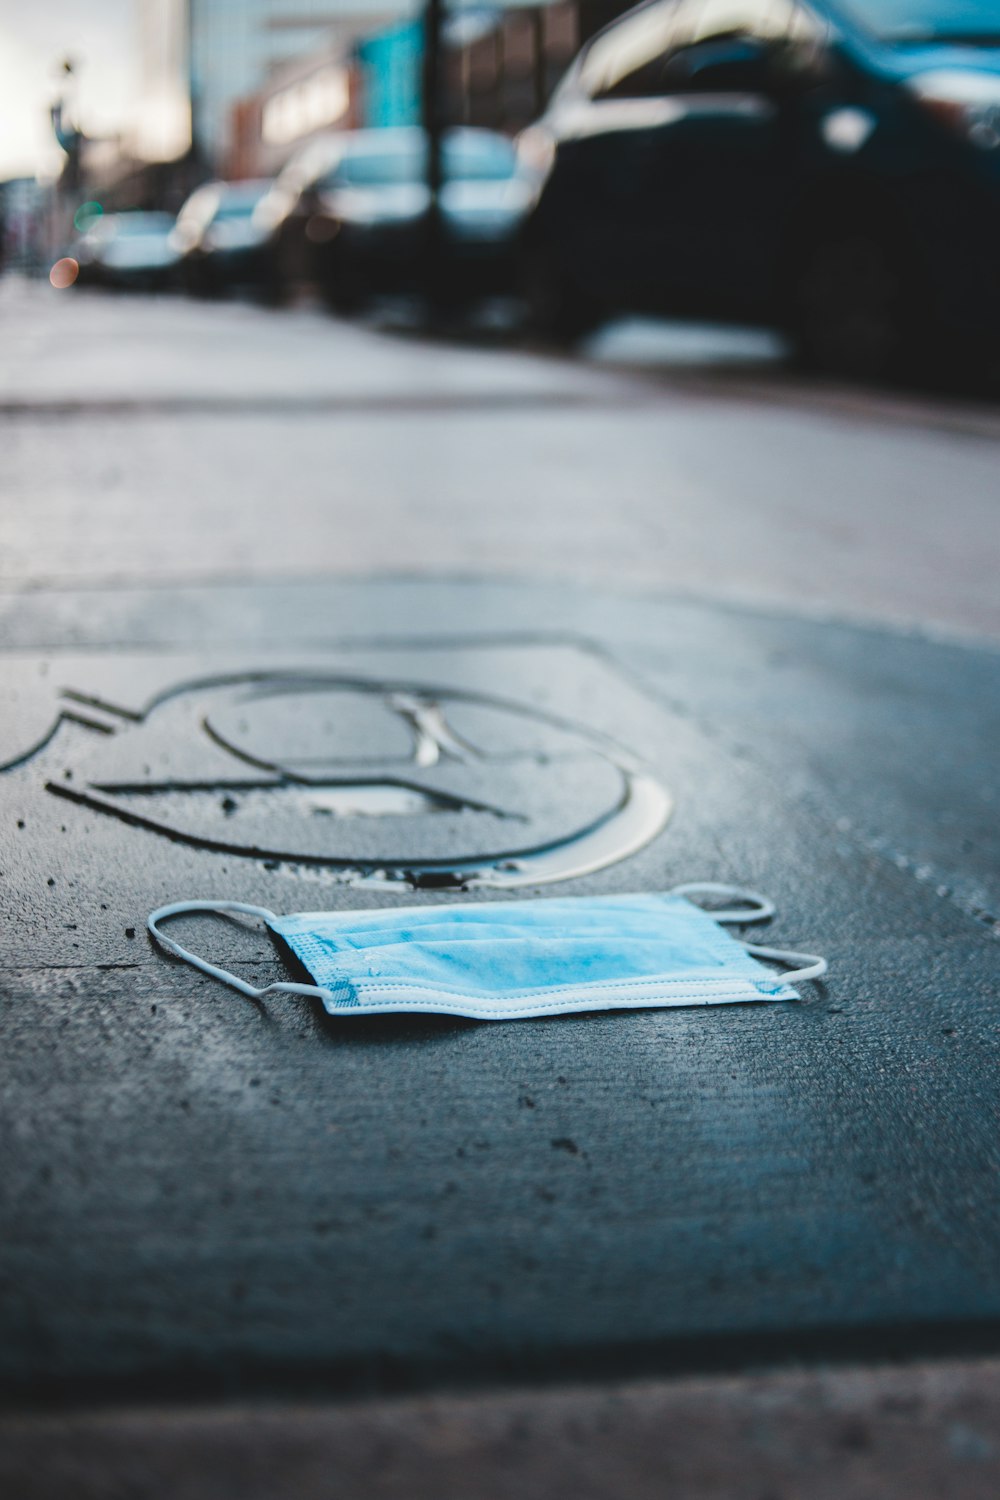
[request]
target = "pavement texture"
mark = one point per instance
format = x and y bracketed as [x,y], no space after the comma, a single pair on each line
[181,442]
[927,1430]
[215,1200]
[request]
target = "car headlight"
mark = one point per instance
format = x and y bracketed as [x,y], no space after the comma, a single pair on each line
[966,102]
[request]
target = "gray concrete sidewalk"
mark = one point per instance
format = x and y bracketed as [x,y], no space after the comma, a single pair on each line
[884,1433]
[152,440]
[207,1195]
[219,1202]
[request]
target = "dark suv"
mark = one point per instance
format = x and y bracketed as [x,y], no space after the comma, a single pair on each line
[831,168]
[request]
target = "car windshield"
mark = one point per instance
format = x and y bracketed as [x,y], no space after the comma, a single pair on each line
[140,223]
[974,22]
[469,158]
[385,168]
[239,205]
[479,158]
[242,209]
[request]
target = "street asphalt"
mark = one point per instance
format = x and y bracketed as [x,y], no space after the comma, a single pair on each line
[234,539]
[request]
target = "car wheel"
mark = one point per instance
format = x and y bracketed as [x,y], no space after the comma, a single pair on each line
[200,283]
[558,310]
[290,266]
[852,309]
[344,289]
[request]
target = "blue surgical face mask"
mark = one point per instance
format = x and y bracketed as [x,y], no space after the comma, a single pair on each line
[509,960]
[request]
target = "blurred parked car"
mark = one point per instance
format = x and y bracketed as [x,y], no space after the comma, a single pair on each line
[220,244]
[831,167]
[349,214]
[127,250]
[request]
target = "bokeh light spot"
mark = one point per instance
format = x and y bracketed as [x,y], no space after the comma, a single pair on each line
[85,216]
[64,273]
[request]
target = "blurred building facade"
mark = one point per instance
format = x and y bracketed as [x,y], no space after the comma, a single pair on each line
[501,65]
[234,45]
[201,61]
[162,130]
[501,75]
[302,98]
[236,85]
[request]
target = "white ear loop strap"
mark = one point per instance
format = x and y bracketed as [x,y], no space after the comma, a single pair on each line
[811,965]
[179,908]
[755,908]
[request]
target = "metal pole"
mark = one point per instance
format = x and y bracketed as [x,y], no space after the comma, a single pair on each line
[434,124]
[540,62]
[193,81]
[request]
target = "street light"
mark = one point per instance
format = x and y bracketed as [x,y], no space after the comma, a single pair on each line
[67,132]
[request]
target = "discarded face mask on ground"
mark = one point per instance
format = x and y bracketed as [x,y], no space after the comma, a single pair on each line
[511,960]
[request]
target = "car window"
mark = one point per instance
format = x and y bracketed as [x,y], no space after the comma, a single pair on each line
[385,168]
[479,158]
[792,34]
[640,57]
[747,18]
[129,224]
[626,61]
[930,20]
[238,205]
[467,158]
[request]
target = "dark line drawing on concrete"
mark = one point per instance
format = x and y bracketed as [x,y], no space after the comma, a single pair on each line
[88,700]
[352,774]
[385,797]
[65,716]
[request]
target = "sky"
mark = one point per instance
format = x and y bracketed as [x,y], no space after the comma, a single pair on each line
[101,36]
